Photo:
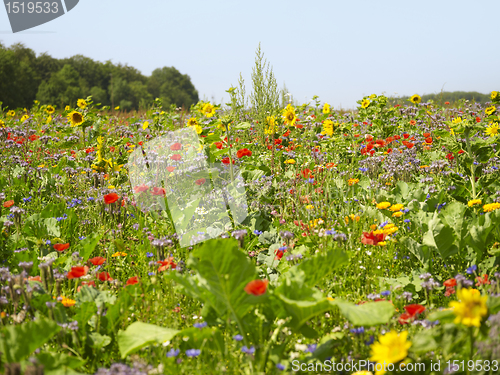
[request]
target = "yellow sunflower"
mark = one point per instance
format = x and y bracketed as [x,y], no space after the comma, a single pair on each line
[390,348]
[326,108]
[328,128]
[208,110]
[415,99]
[471,309]
[76,118]
[50,110]
[11,113]
[192,122]
[492,129]
[494,95]
[81,103]
[490,110]
[289,115]
[365,103]
[2,124]
[271,125]
[24,118]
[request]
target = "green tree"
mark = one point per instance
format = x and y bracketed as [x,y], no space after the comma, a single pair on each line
[63,88]
[172,87]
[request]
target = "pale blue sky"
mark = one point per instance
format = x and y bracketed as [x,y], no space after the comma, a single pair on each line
[338,50]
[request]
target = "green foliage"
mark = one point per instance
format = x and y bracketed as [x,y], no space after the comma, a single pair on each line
[138,335]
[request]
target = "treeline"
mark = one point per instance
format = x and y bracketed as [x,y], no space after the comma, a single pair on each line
[451,97]
[25,77]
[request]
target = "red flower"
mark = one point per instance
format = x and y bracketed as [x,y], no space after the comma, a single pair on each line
[277,141]
[176,157]
[415,309]
[200,181]
[133,280]
[405,318]
[306,173]
[478,119]
[61,246]
[158,191]
[450,282]
[226,160]
[170,169]
[176,146]
[482,280]
[371,238]
[449,291]
[428,140]
[141,188]
[446,103]
[256,287]
[166,264]
[450,156]
[243,152]
[461,152]
[110,198]
[427,135]
[8,204]
[77,272]
[406,136]
[410,145]
[104,276]
[97,261]
[89,283]
[218,145]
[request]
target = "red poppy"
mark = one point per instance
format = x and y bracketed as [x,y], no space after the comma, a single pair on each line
[110,198]
[286,134]
[428,140]
[482,280]
[243,152]
[166,264]
[176,157]
[141,188]
[256,287]
[226,160]
[61,246]
[77,272]
[8,204]
[449,291]
[170,169]
[446,103]
[478,119]
[97,261]
[406,136]
[450,282]
[133,280]
[405,318]
[412,122]
[277,141]
[306,173]
[372,238]
[397,137]
[389,150]
[414,309]
[461,152]
[427,135]
[450,156]
[200,181]
[410,145]
[104,276]
[218,145]
[158,191]
[89,283]
[176,146]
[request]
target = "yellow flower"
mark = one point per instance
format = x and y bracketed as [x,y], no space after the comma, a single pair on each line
[352,217]
[490,110]
[390,348]
[326,108]
[66,108]
[49,119]
[145,125]
[365,103]
[24,118]
[198,129]
[76,118]
[11,113]
[81,103]
[208,110]
[309,207]
[119,254]
[117,108]
[492,129]
[397,214]
[290,161]
[327,127]
[494,95]
[457,120]
[382,243]
[383,205]
[491,207]
[474,202]
[67,302]
[192,122]
[363,373]
[415,99]
[396,207]
[352,181]
[289,115]
[471,308]
[271,128]
[2,124]
[50,110]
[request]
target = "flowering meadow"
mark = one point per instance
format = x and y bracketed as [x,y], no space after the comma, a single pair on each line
[370,235]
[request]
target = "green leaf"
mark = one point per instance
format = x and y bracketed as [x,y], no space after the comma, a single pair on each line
[441,238]
[19,341]
[421,252]
[99,341]
[321,265]
[368,314]
[88,245]
[139,335]
[59,361]
[85,311]
[444,316]
[424,342]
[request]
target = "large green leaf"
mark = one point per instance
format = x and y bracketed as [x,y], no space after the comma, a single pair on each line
[88,245]
[322,265]
[19,341]
[422,252]
[368,314]
[139,335]
[440,237]
[59,363]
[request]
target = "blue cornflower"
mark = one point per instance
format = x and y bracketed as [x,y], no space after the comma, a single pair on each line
[26,200]
[250,350]
[151,273]
[200,325]
[279,366]
[238,338]
[370,341]
[428,196]
[48,242]
[363,169]
[149,255]
[385,293]
[257,232]
[193,352]
[311,348]
[471,269]
[82,238]
[407,220]
[384,224]
[173,352]
[358,331]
